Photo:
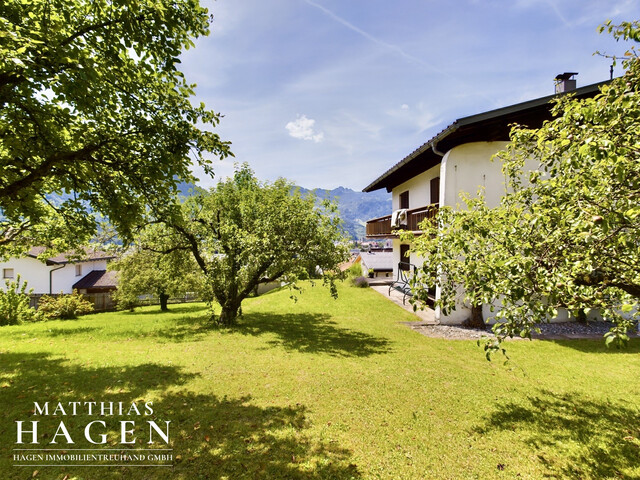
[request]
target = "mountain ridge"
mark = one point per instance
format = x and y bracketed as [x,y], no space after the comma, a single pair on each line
[355,207]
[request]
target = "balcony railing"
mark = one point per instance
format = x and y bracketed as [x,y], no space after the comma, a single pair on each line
[381,227]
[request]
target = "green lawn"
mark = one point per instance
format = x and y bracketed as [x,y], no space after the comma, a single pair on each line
[326,389]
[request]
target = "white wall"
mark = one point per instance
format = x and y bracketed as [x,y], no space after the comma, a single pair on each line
[468,167]
[33,271]
[64,278]
[36,274]
[418,187]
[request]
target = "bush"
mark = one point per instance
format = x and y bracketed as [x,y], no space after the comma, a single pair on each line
[354,271]
[359,282]
[126,300]
[64,306]
[14,304]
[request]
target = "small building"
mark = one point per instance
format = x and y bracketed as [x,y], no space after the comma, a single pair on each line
[377,263]
[99,285]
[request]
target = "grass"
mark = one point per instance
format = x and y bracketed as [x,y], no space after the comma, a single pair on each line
[326,389]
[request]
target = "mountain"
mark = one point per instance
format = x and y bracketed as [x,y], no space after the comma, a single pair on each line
[356,207]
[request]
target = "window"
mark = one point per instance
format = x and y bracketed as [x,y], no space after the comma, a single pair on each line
[434,187]
[78,270]
[404,199]
[7,273]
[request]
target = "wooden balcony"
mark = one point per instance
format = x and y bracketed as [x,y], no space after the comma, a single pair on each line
[381,227]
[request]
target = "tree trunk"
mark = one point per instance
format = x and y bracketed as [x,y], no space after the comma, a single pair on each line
[229,313]
[476,320]
[164,298]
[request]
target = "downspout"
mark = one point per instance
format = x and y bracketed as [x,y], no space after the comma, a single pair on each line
[51,278]
[434,148]
[438,311]
[443,134]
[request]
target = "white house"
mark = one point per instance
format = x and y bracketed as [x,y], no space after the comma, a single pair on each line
[84,271]
[456,160]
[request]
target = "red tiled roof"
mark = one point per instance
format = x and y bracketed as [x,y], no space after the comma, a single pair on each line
[97,279]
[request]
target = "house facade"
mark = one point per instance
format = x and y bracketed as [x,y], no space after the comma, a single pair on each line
[84,271]
[456,160]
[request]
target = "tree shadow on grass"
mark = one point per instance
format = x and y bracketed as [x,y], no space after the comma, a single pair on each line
[574,436]
[312,333]
[58,332]
[180,329]
[29,377]
[220,438]
[211,437]
[174,308]
[184,330]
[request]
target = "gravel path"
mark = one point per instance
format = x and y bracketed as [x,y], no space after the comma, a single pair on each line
[548,331]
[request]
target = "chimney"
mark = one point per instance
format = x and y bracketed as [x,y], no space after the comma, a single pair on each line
[564,82]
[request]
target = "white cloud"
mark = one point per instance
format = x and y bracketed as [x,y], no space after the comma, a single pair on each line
[302,128]
[404,106]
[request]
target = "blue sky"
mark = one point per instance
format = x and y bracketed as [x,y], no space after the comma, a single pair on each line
[332,93]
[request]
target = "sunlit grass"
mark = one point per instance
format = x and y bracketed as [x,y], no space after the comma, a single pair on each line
[327,389]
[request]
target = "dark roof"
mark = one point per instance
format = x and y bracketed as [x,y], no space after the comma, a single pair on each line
[85,255]
[493,125]
[97,279]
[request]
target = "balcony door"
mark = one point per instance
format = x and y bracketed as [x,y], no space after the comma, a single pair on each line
[404,258]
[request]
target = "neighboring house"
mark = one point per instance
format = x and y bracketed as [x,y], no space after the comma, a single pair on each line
[84,271]
[376,263]
[458,159]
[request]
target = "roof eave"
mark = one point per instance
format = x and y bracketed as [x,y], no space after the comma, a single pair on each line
[471,119]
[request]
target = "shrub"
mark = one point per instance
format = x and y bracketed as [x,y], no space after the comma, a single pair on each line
[359,282]
[64,306]
[126,300]
[354,271]
[14,304]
